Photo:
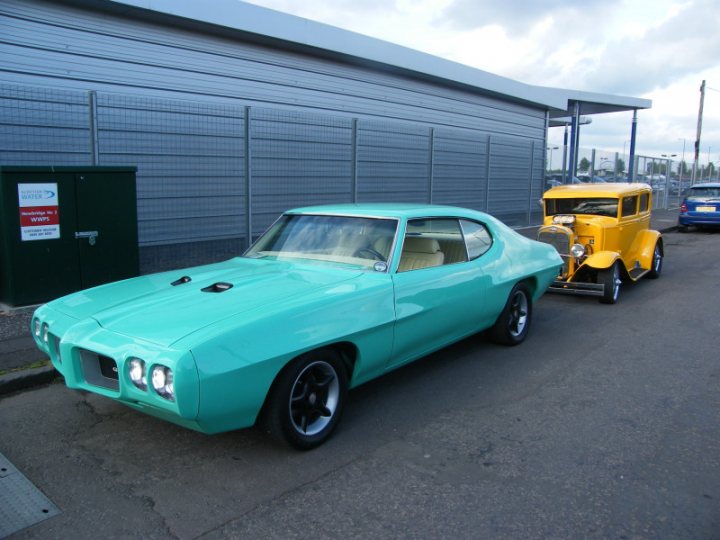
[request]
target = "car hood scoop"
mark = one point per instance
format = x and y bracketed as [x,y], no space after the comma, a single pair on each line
[151,308]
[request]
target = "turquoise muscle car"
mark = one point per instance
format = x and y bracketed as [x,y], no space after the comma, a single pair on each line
[328,298]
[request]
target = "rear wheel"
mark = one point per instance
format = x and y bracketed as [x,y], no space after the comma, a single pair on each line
[610,279]
[657,261]
[306,401]
[513,324]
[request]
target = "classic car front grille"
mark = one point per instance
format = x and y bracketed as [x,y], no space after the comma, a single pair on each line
[561,242]
[54,342]
[99,370]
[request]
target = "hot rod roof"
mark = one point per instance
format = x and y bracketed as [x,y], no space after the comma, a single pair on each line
[596,190]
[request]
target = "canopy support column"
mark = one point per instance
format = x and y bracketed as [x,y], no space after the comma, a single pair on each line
[631,159]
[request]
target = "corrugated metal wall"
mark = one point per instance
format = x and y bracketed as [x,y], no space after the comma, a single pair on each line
[226,134]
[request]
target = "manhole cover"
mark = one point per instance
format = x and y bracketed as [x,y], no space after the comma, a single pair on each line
[21,503]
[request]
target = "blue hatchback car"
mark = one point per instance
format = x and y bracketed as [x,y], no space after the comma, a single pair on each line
[700,206]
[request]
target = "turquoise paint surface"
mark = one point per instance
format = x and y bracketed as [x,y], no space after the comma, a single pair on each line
[225,349]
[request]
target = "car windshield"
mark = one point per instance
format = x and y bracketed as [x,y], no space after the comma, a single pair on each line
[703,193]
[355,241]
[595,206]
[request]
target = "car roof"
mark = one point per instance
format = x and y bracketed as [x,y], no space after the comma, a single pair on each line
[609,189]
[390,210]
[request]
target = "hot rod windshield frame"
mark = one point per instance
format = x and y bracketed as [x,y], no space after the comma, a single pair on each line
[592,206]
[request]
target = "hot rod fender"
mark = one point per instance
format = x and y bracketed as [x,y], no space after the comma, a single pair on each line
[644,247]
[601,259]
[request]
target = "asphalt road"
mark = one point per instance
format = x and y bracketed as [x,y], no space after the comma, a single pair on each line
[604,424]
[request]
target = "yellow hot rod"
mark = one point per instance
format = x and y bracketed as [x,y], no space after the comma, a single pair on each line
[602,232]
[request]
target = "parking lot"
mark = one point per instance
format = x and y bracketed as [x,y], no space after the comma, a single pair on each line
[605,423]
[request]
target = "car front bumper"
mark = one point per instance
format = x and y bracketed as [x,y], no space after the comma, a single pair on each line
[577,289]
[96,360]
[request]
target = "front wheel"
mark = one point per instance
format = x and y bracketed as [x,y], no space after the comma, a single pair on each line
[610,279]
[306,400]
[657,262]
[513,324]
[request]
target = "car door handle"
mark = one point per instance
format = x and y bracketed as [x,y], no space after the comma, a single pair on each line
[90,235]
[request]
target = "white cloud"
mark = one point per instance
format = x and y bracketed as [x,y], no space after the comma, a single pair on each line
[657,49]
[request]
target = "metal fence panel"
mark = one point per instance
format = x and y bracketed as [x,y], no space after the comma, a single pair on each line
[510,168]
[44,126]
[459,168]
[171,141]
[298,159]
[393,162]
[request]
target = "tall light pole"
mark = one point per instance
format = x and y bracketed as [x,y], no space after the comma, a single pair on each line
[699,131]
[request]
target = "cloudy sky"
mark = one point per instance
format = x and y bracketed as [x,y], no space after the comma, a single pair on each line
[655,49]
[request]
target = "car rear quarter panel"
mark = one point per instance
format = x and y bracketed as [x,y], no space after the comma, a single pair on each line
[532,261]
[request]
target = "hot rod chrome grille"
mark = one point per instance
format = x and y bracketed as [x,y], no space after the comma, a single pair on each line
[561,242]
[99,370]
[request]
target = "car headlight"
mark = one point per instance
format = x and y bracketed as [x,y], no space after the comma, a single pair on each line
[577,250]
[162,381]
[136,371]
[564,219]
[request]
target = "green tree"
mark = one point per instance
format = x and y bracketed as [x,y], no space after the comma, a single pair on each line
[709,170]
[584,164]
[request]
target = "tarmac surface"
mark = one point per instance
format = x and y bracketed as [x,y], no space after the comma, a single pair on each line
[23,366]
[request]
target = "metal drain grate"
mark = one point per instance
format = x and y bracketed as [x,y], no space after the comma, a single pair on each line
[21,503]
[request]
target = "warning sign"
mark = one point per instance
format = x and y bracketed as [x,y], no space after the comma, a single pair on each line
[39,212]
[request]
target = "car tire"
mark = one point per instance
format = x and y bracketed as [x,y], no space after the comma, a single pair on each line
[513,324]
[682,228]
[610,278]
[306,400]
[657,261]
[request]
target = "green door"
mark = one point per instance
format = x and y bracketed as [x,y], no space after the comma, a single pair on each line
[106,227]
[64,229]
[34,270]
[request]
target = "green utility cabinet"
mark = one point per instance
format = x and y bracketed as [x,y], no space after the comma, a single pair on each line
[63,229]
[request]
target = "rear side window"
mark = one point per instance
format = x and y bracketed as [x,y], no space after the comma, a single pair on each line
[477,238]
[629,206]
[703,193]
[644,202]
[432,242]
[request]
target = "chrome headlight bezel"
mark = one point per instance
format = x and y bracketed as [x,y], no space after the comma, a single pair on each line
[577,250]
